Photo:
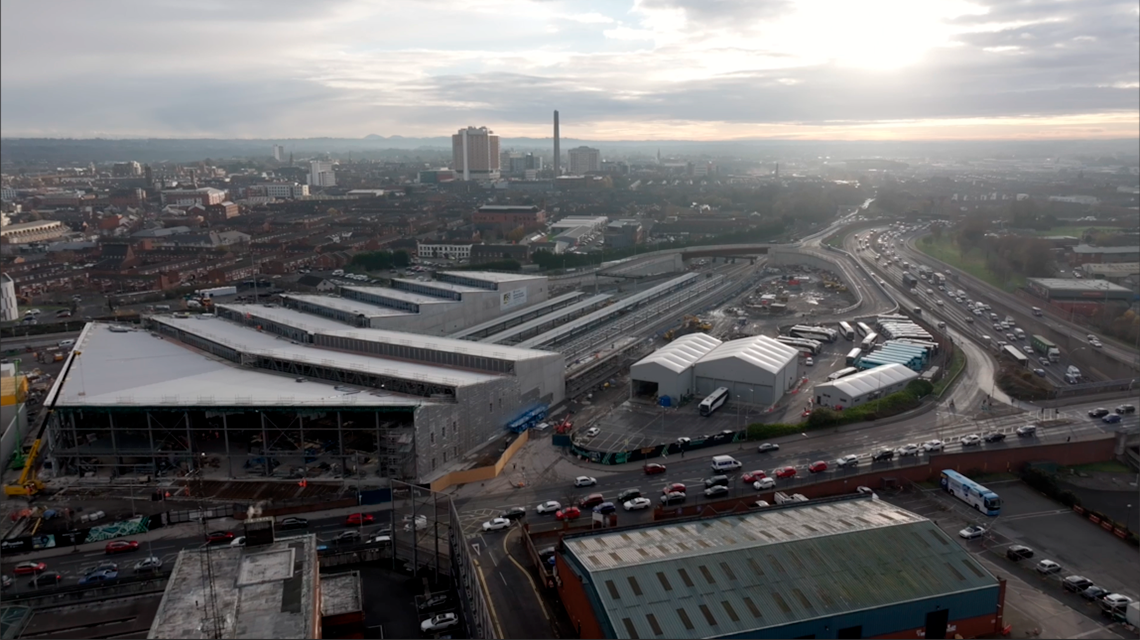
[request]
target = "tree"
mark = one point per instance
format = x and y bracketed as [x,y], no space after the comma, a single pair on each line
[401,259]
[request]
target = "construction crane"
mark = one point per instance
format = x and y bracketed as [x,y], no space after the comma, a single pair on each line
[691,324]
[29,484]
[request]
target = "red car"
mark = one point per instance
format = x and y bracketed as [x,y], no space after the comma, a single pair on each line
[653,469]
[357,519]
[676,487]
[786,472]
[817,466]
[569,513]
[215,537]
[753,476]
[121,546]
[29,568]
[591,501]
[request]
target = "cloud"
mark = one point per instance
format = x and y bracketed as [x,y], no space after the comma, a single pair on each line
[657,68]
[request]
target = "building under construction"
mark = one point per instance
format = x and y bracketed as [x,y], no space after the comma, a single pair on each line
[270,392]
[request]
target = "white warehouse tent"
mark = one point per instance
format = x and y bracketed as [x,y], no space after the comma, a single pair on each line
[756,370]
[668,371]
[864,386]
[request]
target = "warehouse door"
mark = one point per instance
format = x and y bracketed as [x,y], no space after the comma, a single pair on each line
[936,622]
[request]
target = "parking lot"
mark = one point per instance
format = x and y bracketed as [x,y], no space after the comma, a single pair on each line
[633,425]
[1035,601]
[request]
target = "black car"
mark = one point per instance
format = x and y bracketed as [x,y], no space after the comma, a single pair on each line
[1019,552]
[1126,408]
[1095,593]
[716,481]
[885,454]
[287,524]
[45,580]
[994,437]
[514,513]
[1098,412]
[716,490]
[675,497]
[628,494]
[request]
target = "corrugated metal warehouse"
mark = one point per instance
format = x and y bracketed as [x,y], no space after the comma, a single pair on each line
[834,568]
[669,370]
[864,386]
[756,370]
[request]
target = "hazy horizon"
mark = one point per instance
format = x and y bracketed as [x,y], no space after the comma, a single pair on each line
[640,71]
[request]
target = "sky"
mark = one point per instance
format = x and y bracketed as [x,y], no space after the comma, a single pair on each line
[640,70]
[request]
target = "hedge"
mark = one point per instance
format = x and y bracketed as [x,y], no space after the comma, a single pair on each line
[894,404]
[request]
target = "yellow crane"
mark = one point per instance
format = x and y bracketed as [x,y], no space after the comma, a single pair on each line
[28,484]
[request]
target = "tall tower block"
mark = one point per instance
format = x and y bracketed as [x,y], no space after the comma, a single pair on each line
[557,148]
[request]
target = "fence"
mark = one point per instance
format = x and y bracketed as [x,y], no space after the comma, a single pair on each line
[660,450]
[481,474]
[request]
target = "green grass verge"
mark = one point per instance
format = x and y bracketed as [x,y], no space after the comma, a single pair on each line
[957,364]
[1107,466]
[973,263]
[825,418]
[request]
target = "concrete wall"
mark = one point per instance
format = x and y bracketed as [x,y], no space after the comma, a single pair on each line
[481,474]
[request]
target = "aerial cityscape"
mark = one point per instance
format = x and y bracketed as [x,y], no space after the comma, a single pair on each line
[538,319]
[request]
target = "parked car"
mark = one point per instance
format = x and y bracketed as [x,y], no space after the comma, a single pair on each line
[850,460]
[1094,593]
[818,466]
[286,524]
[908,450]
[496,524]
[569,513]
[121,546]
[1046,567]
[1098,412]
[550,506]
[637,504]
[675,497]
[883,455]
[1115,602]
[969,533]
[29,568]
[592,431]
[753,476]
[764,483]
[584,481]
[5,581]
[994,437]
[358,519]
[653,469]
[438,623]
[767,447]
[786,472]
[1076,584]
[514,513]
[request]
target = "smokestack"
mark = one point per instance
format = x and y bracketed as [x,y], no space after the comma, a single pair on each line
[557,148]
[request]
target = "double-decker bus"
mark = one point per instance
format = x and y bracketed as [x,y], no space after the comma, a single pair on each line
[841,373]
[971,492]
[863,328]
[806,345]
[715,401]
[846,330]
[822,334]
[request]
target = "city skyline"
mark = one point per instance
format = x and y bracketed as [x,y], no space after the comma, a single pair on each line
[643,70]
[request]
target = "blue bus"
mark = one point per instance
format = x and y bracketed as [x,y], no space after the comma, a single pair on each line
[971,492]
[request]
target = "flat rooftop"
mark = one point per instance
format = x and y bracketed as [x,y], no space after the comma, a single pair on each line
[340,594]
[400,294]
[138,369]
[436,284]
[346,305]
[310,322]
[553,316]
[492,276]
[1082,285]
[254,592]
[538,307]
[250,341]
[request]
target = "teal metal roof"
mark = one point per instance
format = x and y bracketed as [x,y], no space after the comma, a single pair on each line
[781,565]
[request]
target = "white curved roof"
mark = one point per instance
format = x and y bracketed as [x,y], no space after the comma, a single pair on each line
[682,353]
[759,351]
[871,380]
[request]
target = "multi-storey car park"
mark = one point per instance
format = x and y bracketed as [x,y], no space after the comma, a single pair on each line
[272,392]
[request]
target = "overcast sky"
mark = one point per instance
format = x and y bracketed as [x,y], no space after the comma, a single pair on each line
[650,69]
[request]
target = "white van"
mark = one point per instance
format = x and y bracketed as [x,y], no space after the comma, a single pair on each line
[338,272]
[725,463]
[65,344]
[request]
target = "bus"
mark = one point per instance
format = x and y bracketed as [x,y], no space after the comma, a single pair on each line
[853,356]
[891,317]
[822,334]
[847,331]
[869,341]
[806,345]
[930,346]
[715,401]
[971,492]
[841,373]
[863,328]
[1015,354]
